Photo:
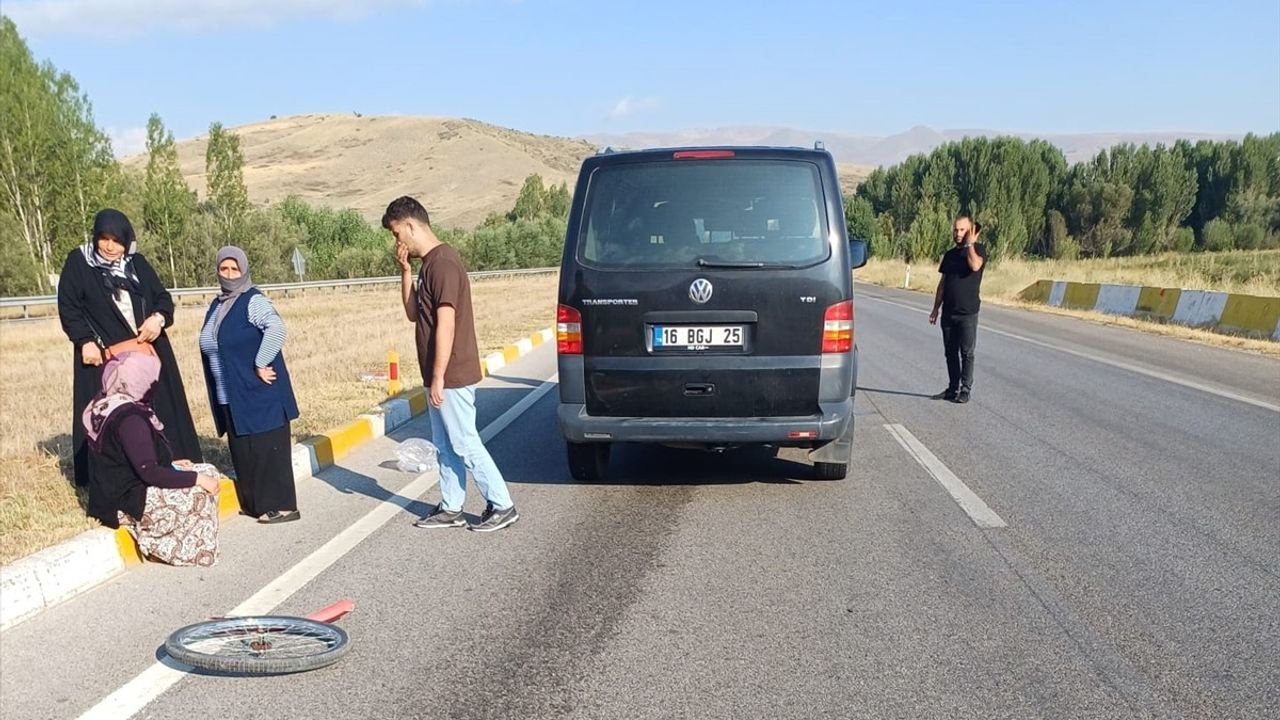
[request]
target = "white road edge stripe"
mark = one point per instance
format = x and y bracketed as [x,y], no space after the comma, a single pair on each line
[152,682]
[1108,361]
[968,500]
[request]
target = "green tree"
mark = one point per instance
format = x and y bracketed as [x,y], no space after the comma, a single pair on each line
[19,272]
[224,171]
[1164,194]
[167,202]
[929,235]
[56,167]
[558,201]
[1057,239]
[1218,235]
[860,218]
[532,200]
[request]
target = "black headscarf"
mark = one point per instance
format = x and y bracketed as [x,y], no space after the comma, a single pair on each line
[117,275]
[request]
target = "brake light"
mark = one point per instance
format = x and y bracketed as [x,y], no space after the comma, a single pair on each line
[568,330]
[837,328]
[702,154]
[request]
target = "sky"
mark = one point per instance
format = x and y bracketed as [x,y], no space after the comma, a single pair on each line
[570,68]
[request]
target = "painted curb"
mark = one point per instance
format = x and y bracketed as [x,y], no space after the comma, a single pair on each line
[52,575]
[1253,315]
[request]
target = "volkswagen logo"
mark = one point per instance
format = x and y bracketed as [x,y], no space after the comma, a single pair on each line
[700,290]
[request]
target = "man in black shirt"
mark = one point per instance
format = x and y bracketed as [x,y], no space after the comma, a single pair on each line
[957,297]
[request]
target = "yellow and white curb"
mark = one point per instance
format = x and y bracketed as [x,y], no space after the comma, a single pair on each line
[52,575]
[69,568]
[1226,312]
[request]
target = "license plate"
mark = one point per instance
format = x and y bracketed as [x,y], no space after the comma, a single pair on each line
[697,337]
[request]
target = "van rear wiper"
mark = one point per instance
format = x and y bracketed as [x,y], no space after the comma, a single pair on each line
[704,262]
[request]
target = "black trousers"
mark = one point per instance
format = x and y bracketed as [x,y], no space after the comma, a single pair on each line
[959,337]
[264,467]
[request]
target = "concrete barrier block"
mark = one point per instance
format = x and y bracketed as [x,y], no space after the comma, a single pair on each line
[1057,292]
[1118,299]
[1037,292]
[1080,296]
[1250,313]
[1200,307]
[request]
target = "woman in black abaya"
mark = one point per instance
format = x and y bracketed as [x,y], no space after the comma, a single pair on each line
[109,293]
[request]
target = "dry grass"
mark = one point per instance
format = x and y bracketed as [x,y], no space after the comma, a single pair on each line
[461,169]
[1252,272]
[334,337]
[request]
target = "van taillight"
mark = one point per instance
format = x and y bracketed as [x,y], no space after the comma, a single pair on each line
[568,331]
[837,328]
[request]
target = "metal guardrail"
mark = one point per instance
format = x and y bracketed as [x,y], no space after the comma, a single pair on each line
[25,303]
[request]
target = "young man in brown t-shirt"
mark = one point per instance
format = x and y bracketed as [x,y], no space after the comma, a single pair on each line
[439,305]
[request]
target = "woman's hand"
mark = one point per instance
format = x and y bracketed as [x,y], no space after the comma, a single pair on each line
[209,484]
[266,375]
[91,354]
[183,464]
[151,328]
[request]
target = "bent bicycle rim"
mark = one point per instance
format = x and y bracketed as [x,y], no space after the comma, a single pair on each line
[265,645]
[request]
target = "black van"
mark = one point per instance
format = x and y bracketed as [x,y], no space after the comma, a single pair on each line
[706,300]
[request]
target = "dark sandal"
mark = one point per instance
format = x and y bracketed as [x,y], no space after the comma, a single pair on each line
[275,516]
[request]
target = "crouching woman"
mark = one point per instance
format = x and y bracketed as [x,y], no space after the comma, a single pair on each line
[171,513]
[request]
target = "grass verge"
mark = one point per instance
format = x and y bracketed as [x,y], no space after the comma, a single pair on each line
[334,338]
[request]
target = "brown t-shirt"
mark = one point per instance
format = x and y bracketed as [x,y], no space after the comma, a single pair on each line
[443,281]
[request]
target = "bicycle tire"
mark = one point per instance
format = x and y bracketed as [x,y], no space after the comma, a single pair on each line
[262,645]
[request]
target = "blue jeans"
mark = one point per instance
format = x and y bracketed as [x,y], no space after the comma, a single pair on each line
[453,431]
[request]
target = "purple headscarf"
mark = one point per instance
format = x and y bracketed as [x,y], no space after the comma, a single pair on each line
[126,379]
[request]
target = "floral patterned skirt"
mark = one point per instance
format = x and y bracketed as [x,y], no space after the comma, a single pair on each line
[179,526]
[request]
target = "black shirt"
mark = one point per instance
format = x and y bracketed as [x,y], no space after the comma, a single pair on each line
[960,286]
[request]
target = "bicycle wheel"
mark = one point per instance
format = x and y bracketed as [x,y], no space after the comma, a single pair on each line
[266,645]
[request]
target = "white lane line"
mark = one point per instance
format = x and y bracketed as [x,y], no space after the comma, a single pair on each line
[968,500]
[1113,363]
[161,676]
[508,417]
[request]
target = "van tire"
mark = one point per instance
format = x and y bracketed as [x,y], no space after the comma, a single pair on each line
[588,462]
[830,471]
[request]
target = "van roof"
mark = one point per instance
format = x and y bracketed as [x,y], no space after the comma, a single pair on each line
[754,151]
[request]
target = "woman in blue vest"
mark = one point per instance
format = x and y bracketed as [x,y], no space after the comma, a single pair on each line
[249,389]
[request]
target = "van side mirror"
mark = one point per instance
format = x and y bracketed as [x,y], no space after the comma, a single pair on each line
[857,253]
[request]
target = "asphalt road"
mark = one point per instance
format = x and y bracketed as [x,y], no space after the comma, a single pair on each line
[1134,571]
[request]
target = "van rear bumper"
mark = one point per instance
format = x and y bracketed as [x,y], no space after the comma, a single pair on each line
[579,427]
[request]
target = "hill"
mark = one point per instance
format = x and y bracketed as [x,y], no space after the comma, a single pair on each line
[461,169]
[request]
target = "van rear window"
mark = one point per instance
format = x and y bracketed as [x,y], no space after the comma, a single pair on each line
[686,213]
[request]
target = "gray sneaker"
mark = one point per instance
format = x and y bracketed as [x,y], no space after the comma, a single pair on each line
[441,518]
[494,519]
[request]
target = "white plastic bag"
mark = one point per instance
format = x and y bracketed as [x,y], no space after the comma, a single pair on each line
[416,455]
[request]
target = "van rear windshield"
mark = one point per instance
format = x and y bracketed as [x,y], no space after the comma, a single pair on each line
[688,213]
